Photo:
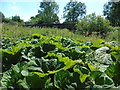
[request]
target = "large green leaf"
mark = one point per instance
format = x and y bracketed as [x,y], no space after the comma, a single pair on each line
[104,81]
[46,47]
[12,76]
[97,43]
[101,56]
[83,77]
[35,81]
[23,84]
[82,71]
[61,79]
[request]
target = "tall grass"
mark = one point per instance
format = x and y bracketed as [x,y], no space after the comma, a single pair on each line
[15,31]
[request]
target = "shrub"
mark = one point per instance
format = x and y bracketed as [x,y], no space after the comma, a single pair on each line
[92,23]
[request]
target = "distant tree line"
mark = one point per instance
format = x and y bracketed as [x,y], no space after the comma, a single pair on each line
[74,12]
[14,20]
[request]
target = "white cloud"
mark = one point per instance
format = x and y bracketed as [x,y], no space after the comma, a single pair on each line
[13,7]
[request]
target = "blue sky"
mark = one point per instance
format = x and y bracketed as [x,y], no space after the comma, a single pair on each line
[27,8]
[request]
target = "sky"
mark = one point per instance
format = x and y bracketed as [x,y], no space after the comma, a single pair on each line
[27,8]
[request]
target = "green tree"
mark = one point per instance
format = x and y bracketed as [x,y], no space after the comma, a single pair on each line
[7,20]
[112,12]
[47,13]
[74,11]
[16,20]
[92,23]
[2,17]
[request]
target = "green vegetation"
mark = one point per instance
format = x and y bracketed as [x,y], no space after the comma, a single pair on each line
[47,13]
[10,31]
[73,11]
[2,17]
[15,20]
[60,59]
[111,11]
[92,23]
[44,62]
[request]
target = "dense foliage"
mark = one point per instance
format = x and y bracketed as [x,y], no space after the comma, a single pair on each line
[111,11]
[73,11]
[2,17]
[17,19]
[59,63]
[14,20]
[47,13]
[92,23]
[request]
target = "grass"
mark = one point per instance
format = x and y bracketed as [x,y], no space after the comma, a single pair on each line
[15,31]
[113,36]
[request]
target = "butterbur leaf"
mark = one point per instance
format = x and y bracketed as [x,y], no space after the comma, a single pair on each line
[97,86]
[99,80]
[36,36]
[49,84]
[77,70]
[102,56]
[23,84]
[108,81]
[83,77]
[97,42]
[110,71]
[40,74]
[95,74]
[105,81]
[33,68]
[53,72]
[14,50]
[114,55]
[61,79]
[25,72]
[48,47]
[35,81]
[6,79]
[81,69]
[66,42]
[92,68]
[70,87]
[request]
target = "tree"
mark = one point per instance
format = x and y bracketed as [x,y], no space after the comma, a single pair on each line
[2,17]
[47,13]
[92,23]
[16,20]
[74,11]
[7,20]
[112,12]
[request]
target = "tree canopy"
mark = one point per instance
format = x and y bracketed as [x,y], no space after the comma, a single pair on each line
[47,13]
[16,19]
[74,11]
[2,17]
[112,12]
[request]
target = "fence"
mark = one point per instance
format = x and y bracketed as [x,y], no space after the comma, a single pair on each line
[71,26]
